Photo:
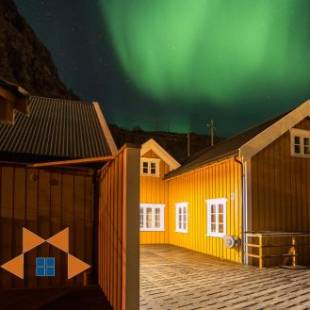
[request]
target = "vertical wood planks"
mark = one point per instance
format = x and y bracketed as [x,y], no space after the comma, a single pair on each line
[219,180]
[45,201]
[118,230]
[280,190]
[155,190]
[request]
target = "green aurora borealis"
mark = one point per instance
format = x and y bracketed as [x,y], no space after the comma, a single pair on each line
[221,51]
[175,64]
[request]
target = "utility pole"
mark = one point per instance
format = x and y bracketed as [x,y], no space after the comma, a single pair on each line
[188,144]
[211,127]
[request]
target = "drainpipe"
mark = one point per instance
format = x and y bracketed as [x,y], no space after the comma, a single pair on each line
[243,208]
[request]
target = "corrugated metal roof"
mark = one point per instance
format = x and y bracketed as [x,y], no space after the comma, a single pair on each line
[55,128]
[224,149]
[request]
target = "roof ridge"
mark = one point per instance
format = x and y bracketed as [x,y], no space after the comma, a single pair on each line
[226,147]
[62,99]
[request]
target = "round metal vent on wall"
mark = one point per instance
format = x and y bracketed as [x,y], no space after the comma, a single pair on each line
[231,241]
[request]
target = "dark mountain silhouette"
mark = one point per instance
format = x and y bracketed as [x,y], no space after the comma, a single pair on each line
[24,59]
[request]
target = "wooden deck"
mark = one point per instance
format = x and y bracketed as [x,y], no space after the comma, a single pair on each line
[175,278]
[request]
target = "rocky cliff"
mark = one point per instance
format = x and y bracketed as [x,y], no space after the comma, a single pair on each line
[24,59]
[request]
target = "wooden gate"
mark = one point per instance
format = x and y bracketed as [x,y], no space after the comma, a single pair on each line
[118,229]
[45,201]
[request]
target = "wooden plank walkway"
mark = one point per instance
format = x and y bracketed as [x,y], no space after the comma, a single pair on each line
[175,278]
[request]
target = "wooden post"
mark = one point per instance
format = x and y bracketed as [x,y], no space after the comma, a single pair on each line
[260,249]
[131,247]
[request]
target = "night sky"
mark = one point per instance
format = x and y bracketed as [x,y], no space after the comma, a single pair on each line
[176,64]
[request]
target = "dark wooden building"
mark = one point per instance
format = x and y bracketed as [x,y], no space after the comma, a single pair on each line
[59,168]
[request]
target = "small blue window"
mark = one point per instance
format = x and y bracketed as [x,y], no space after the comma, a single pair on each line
[45,267]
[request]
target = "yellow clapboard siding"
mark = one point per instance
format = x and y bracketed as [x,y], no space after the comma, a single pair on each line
[155,190]
[220,180]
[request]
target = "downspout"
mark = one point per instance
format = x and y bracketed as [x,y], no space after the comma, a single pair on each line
[243,207]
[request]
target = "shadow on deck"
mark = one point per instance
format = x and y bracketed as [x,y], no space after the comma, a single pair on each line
[54,298]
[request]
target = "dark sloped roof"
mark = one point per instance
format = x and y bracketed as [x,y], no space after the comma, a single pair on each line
[224,149]
[55,128]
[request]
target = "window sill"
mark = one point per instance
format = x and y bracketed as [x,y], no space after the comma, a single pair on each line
[152,229]
[150,175]
[300,155]
[181,231]
[216,235]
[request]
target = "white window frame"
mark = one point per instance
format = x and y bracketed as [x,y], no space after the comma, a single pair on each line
[217,201]
[178,207]
[155,161]
[302,134]
[153,206]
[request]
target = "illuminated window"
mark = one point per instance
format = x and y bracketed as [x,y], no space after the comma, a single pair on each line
[181,217]
[152,217]
[216,215]
[45,267]
[300,142]
[150,166]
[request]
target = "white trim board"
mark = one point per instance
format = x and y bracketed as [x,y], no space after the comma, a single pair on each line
[105,128]
[178,206]
[162,216]
[152,145]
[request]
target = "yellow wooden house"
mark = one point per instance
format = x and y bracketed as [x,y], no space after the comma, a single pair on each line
[246,199]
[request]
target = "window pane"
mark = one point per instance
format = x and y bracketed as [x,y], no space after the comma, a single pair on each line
[180,218]
[221,228]
[306,141]
[40,261]
[184,221]
[50,272]
[297,149]
[149,217]
[213,227]
[157,218]
[307,150]
[297,140]
[179,211]
[213,218]
[50,261]
[153,168]
[220,208]
[141,217]
[213,208]
[179,225]
[221,218]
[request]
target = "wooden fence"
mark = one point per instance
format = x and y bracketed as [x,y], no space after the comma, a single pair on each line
[118,230]
[45,201]
[277,248]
